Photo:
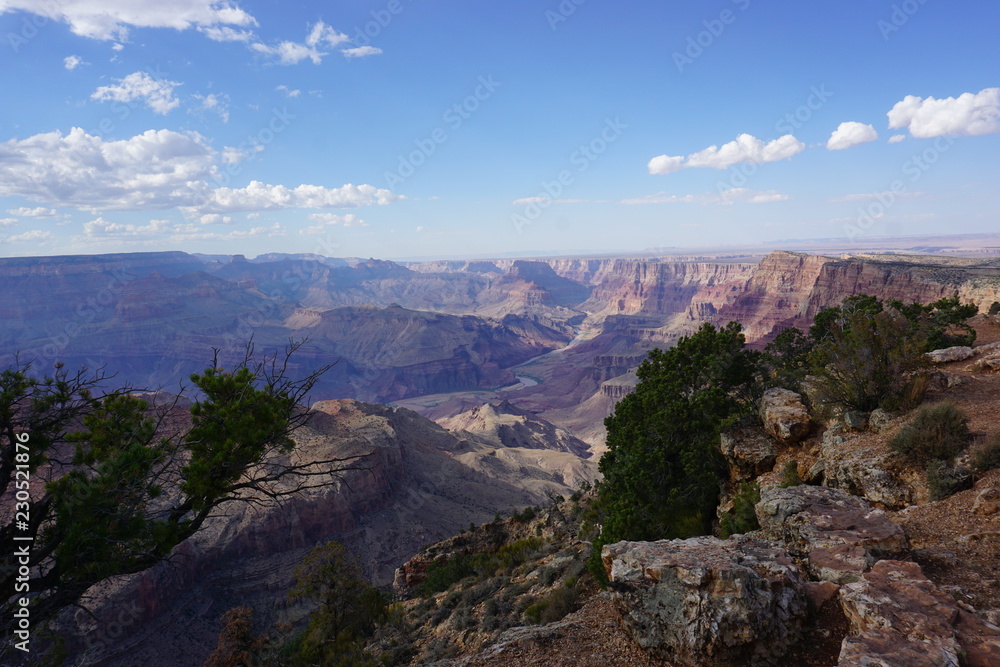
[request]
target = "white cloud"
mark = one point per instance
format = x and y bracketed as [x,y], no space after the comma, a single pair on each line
[215,219]
[227,34]
[215,102]
[968,114]
[745,148]
[768,197]
[159,169]
[873,196]
[290,53]
[323,35]
[259,196]
[105,20]
[235,154]
[27,237]
[349,220]
[724,198]
[361,52]
[155,169]
[665,164]
[327,220]
[288,91]
[157,94]
[420,229]
[25,212]
[72,62]
[527,201]
[896,138]
[7,222]
[274,230]
[103,228]
[850,134]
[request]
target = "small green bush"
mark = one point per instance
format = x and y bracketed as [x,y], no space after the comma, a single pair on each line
[441,575]
[995,308]
[743,517]
[789,476]
[986,456]
[554,607]
[937,433]
[524,516]
[943,480]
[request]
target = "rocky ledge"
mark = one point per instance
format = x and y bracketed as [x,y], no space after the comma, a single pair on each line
[748,599]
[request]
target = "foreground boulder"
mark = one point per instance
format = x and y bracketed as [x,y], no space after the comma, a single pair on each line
[784,415]
[839,536]
[899,617]
[706,601]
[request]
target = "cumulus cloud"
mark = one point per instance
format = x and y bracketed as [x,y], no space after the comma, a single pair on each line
[215,219]
[259,196]
[7,222]
[896,138]
[157,94]
[288,91]
[320,36]
[850,134]
[72,62]
[100,19]
[361,52]
[724,198]
[967,114]
[39,212]
[745,148]
[155,169]
[159,169]
[323,35]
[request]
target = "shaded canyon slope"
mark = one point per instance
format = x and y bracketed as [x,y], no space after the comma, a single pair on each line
[418,484]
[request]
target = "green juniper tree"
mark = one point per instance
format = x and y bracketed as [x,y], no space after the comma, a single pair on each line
[114,488]
[663,469]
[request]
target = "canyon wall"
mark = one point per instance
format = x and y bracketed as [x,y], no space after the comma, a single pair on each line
[789,289]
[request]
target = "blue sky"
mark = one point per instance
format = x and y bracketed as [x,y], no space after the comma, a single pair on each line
[402,128]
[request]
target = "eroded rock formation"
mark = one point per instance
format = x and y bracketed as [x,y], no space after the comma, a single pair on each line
[707,601]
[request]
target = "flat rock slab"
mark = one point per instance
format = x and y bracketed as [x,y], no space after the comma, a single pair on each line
[706,601]
[839,536]
[949,354]
[899,617]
